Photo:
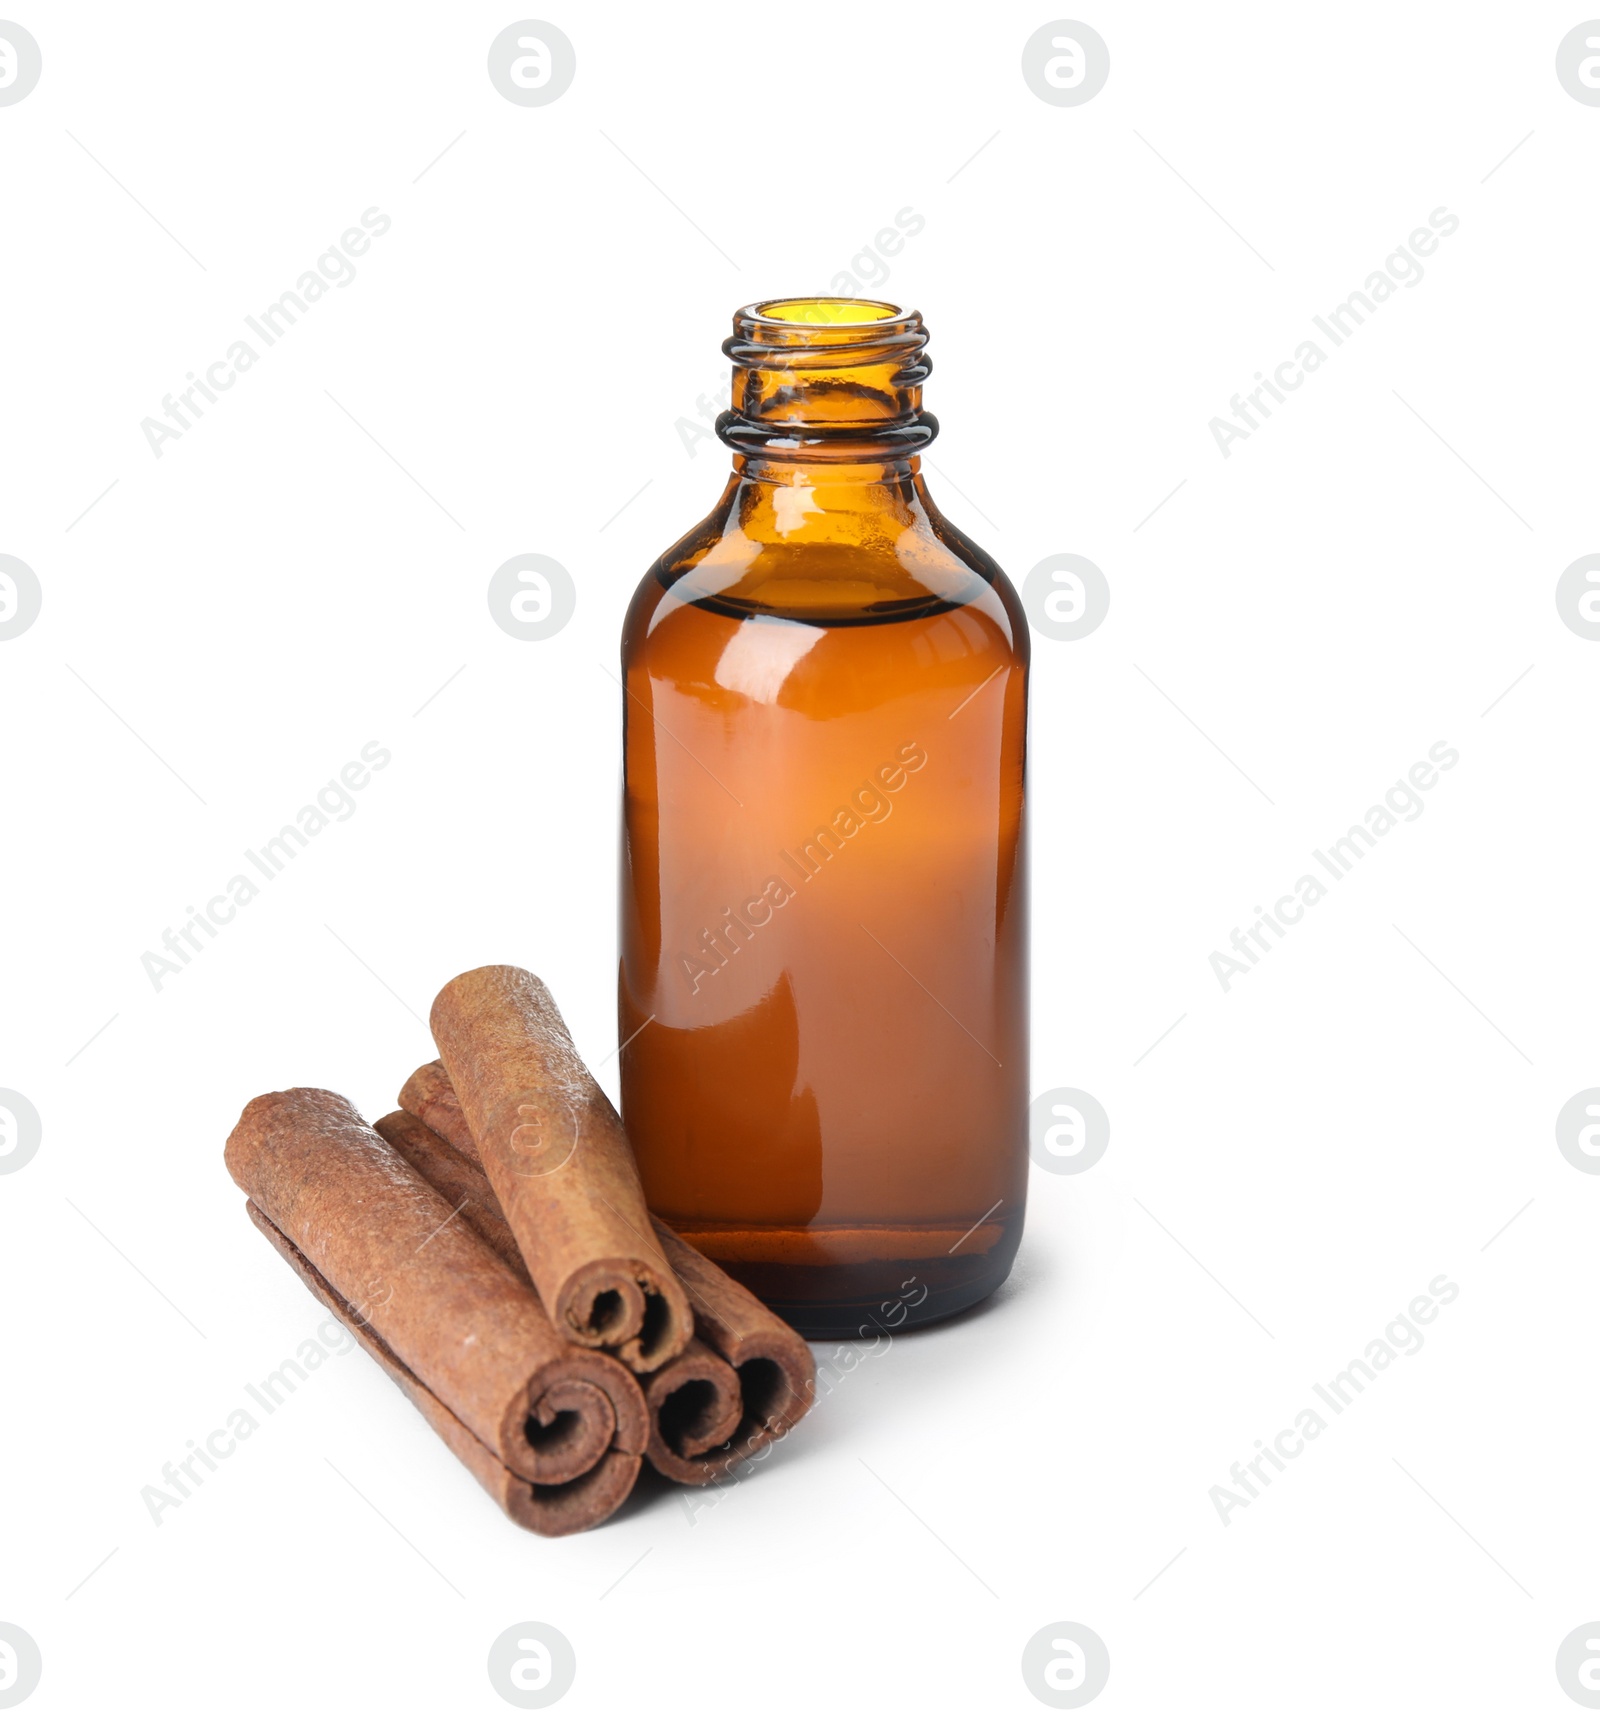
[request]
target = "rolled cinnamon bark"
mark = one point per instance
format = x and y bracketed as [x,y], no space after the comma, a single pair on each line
[561,1167]
[749,1364]
[465,1338]
[697,1423]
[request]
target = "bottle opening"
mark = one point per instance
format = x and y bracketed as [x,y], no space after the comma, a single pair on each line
[827,312]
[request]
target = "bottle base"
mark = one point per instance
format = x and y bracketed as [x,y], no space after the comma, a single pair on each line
[875,1295]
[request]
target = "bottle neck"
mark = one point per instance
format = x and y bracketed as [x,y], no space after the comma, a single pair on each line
[779,499]
[768,470]
[833,384]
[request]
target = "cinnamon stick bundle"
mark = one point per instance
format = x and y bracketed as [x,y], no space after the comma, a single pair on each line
[561,1168]
[553,1433]
[694,1401]
[746,1379]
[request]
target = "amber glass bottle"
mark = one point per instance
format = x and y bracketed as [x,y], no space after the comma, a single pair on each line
[823,998]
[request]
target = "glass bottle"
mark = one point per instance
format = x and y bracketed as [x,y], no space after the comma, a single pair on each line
[824,907]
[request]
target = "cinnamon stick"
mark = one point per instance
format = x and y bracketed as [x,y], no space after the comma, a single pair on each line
[559,1161]
[749,1363]
[552,1432]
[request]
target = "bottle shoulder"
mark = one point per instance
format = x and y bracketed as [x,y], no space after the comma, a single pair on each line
[829,569]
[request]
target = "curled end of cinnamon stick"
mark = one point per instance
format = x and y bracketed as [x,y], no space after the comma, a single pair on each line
[565,1430]
[619,1305]
[695,1407]
[567,1409]
[778,1380]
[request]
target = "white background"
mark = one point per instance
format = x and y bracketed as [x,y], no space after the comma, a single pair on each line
[1288,1167]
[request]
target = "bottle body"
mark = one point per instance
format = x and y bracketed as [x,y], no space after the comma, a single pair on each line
[823,991]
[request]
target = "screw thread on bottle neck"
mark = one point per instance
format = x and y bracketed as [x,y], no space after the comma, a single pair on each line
[827,381]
